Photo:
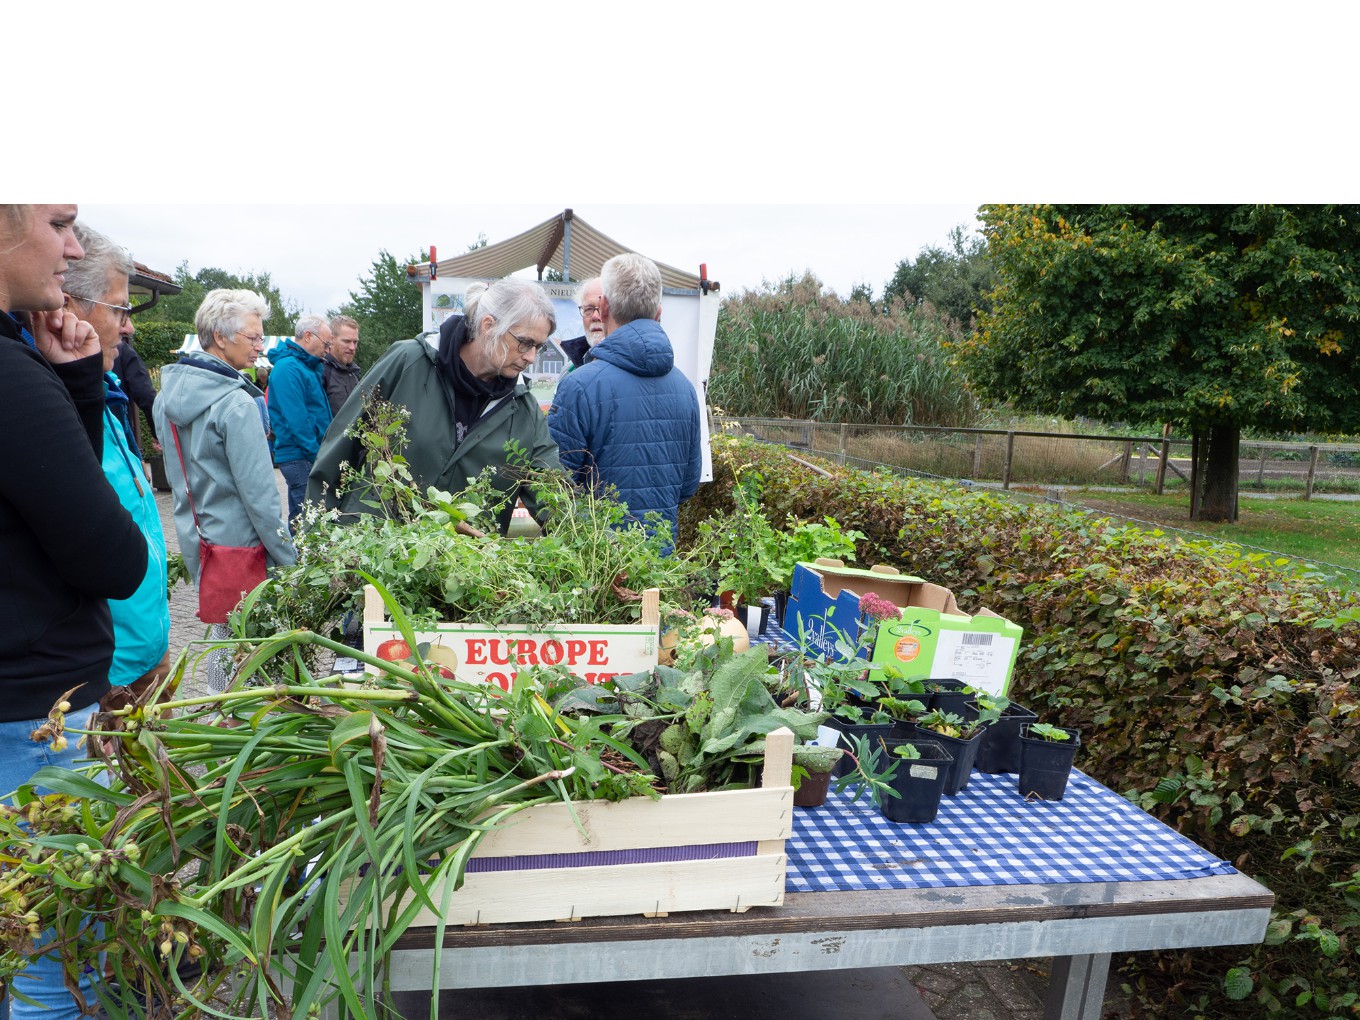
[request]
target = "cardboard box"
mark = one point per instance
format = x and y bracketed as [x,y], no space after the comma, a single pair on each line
[933,637]
[691,851]
[594,652]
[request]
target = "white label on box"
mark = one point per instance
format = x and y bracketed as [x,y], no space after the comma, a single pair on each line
[978,659]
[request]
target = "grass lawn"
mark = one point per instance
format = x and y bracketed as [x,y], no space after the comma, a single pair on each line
[1327,531]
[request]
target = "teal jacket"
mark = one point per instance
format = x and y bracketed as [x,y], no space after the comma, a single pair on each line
[298,409]
[141,623]
[409,374]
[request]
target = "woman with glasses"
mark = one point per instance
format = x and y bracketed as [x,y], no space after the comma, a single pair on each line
[209,423]
[467,400]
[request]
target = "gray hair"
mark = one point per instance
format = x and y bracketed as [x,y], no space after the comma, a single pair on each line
[632,285]
[510,303]
[581,290]
[309,324]
[224,312]
[343,320]
[88,279]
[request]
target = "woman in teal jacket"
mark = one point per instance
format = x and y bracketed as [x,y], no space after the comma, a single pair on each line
[97,292]
[466,398]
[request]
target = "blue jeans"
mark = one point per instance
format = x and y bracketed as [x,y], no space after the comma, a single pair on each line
[295,475]
[20,757]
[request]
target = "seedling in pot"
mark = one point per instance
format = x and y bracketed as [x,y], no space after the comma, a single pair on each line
[907,751]
[1045,731]
[901,710]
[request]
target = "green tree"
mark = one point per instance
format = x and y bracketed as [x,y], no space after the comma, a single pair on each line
[181,307]
[386,306]
[1211,318]
[955,279]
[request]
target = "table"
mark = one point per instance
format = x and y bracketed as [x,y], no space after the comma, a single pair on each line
[1078,923]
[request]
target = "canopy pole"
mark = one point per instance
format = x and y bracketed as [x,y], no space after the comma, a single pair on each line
[566,246]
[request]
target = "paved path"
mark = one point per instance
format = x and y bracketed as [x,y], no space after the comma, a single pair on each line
[977,991]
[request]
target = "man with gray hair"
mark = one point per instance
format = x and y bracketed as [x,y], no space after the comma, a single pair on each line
[628,418]
[298,409]
[592,321]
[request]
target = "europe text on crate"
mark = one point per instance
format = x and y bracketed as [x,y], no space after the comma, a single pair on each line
[932,638]
[594,652]
[690,851]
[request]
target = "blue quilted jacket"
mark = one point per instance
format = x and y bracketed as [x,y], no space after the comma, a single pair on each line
[629,418]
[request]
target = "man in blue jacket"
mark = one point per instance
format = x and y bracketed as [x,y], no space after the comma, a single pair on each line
[298,409]
[628,418]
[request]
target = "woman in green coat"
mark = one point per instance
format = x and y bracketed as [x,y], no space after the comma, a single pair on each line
[466,399]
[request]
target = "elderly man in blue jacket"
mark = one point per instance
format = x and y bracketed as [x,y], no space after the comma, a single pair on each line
[298,409]
[628,418]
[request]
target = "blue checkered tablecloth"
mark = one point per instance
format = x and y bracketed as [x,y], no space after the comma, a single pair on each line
[989,835]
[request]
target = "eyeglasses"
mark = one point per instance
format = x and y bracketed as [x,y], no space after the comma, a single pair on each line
[255,340]
[124,311]
[525,346]
[588,310]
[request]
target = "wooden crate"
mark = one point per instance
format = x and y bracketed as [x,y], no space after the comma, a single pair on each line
[594,652]
[697,851]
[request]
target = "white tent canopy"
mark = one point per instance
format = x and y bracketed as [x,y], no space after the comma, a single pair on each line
[565,243]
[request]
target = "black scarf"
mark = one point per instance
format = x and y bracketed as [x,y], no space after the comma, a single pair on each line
[471,394]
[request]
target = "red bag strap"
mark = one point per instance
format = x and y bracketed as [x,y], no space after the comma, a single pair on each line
[185,472]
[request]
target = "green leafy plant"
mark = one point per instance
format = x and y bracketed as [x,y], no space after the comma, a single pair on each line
[908,751]
[737,545]
[804,542]
[1046,731]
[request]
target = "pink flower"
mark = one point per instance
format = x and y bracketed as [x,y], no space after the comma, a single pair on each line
[720,613]
[874,608]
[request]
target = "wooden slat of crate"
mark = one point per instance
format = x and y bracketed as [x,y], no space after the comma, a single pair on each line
[562,894]
[728,816]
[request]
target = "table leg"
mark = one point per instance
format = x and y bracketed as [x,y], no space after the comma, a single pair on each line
[1076,987]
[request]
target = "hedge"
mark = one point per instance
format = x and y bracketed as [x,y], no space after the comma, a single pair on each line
[157,342]
[1210,686]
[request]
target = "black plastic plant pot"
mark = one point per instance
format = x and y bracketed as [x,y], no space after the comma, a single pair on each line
[919,782]
[906,729]
[946,694]
[964,752]
[1045,765]
[1000,749]
[849,733]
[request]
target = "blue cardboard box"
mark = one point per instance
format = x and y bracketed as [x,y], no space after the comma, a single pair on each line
[931,637]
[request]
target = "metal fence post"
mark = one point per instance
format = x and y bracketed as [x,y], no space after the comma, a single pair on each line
[840,456]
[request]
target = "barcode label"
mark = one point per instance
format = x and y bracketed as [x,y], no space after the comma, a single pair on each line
[977,639]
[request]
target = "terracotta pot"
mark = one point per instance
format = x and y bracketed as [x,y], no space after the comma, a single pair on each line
[812,790]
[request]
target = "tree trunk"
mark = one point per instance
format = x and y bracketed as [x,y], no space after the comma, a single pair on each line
[1216,475]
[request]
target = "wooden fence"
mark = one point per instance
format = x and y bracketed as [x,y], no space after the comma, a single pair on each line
[1020,457]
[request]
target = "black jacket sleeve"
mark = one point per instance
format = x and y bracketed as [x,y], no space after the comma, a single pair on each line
[131,370]
[51,441]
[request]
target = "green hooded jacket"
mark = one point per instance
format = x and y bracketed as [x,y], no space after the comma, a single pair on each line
[409,374]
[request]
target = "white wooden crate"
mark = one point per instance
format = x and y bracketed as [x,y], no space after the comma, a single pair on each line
[749,825]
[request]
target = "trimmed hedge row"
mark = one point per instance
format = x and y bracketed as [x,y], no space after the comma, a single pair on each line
[157,342]
[1210,687]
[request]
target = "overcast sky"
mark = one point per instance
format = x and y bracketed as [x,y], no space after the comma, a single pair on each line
[762,137]
[317,253]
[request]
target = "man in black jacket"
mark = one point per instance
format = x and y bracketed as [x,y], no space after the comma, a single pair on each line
[131,372]
[339,374]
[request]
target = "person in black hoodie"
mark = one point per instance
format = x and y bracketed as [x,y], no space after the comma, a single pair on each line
[67,545]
